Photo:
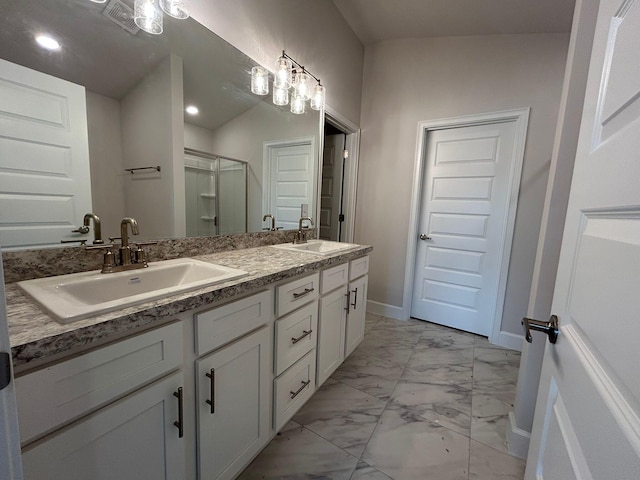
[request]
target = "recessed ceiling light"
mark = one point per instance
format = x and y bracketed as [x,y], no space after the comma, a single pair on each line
[47,42]
[191,110]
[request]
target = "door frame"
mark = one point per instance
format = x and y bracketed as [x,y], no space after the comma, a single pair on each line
[350,179]
[521,118]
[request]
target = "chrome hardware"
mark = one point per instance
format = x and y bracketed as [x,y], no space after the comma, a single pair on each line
[550,328]
[355,298]
[180,423]
[301,236]
[348,295]
[212,390]
[307,291]
[82,242]
[297,392]
[97,230]
[83,230]
[157,168]
[305,333]
[424,236]
[273,222]
[127,258]
[125,249]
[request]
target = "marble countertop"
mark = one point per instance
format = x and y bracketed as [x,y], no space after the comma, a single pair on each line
[37,338]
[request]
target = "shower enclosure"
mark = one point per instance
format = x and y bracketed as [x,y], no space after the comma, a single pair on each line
[215,194]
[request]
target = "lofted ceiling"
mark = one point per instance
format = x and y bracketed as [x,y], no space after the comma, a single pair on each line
[379,20]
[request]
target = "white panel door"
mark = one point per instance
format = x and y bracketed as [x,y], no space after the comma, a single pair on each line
[462,224]
[10,461]
[587,421]
[289,181]
[331,191]
[45,186]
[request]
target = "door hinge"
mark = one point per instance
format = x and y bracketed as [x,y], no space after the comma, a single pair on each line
[341,217]
[5,370]
[345,153]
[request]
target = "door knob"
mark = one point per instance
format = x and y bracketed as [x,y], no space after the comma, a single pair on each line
[424,236]
[550,328]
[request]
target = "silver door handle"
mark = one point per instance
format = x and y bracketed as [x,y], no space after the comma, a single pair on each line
[550,328]
[424,236]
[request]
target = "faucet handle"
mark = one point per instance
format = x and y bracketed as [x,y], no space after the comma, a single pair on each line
[81,242]
[83,230]
[104,246]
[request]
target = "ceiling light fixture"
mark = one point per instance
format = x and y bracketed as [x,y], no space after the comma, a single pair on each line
[50,43]
[289,74]
[191,110]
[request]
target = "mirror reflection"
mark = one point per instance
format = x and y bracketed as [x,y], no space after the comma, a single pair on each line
[102,124]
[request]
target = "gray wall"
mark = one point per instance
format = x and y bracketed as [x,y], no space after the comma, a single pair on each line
[406,81]
[311,31]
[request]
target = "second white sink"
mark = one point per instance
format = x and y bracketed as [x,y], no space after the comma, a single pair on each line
[319,247]
[80,295]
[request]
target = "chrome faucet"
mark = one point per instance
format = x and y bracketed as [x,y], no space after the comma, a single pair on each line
[97,230]
[301,236]
[125,249]
[273,221]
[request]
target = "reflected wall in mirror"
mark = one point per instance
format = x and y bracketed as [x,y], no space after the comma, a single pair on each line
[130,113]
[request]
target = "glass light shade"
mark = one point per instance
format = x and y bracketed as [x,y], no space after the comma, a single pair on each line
[280,95]
[317,98]
[259,80]
[99,1]
[175,8]
[302,85]
[148,16]
[284,73]
[297,104]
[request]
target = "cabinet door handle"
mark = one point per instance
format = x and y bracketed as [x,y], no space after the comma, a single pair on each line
[348,295]
[212,392]
[307,291]
[355,298]
[304,334]
[180,423]
[297,392]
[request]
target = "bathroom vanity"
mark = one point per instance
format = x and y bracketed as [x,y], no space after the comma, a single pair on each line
[193,385]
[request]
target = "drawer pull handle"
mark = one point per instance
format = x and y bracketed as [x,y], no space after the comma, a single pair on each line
[180,423]
[348,295]
[212,375]
[302,294]
[355,298]
[305,333]
[297,392]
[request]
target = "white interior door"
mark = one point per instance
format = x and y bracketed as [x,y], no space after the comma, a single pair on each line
[10,462]
[587,421]
[289,181]
[331,192]
[468,176]
[45,186]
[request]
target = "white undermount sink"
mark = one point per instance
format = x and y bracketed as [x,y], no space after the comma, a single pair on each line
[319,247]
[80,295]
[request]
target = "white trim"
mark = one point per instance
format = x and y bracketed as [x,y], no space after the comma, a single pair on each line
[351,170]
[509,340]
[385,310]
[517,439]
[521,118]
[266,167]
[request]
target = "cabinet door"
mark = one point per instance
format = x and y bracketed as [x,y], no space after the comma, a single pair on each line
[331,334]
[356,314]
[234,405]
[131,439]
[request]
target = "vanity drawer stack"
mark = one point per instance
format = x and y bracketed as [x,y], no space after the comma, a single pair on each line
[295,348]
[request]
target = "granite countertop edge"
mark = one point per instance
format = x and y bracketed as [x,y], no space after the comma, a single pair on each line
[36,337]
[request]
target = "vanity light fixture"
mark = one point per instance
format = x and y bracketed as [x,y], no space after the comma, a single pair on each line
[175,8]
[50,43]
[148,16]
[99,1]
[289,74]
[191,110]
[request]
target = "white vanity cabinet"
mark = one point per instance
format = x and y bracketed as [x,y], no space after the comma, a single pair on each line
[356,303]
[233,384]
[110,415]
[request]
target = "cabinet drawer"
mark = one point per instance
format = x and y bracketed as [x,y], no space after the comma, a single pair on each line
[293,388]
[295,336]
[296,293]
[358,267]
[57,394]
[221,325]
[334,277]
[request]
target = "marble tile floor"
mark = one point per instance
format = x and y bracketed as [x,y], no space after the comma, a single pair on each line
[414,401]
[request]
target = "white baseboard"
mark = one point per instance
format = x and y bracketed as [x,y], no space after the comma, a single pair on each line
[385,310]
[508,340]
[517,439]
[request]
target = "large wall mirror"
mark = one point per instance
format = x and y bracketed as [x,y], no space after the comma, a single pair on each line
[105,115]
